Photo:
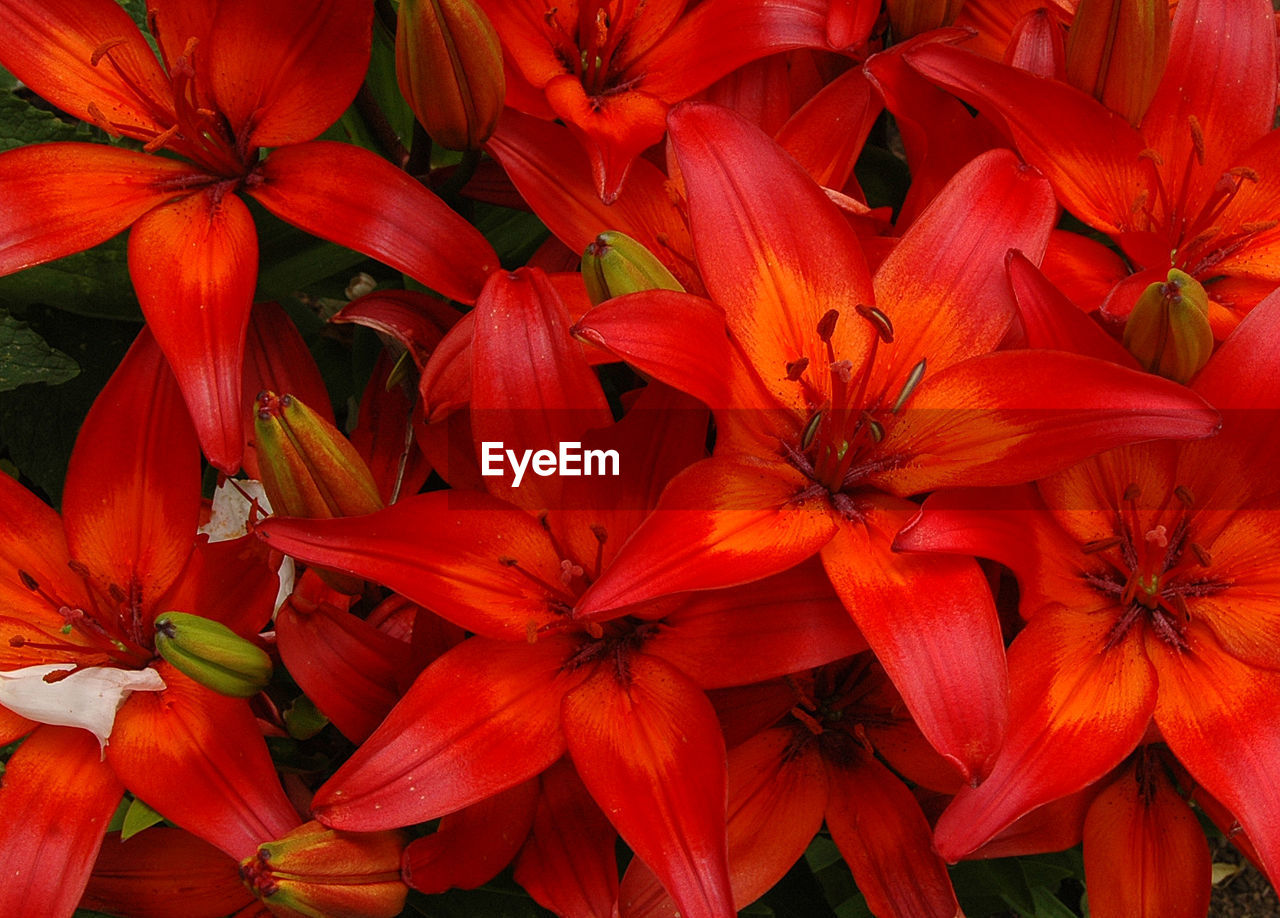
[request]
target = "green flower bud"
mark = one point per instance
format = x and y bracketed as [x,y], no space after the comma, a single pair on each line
[316,872]
[615,264]
[1168,329]
[212,654]
[309,469]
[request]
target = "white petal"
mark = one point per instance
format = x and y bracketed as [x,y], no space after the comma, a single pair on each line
[231,509]
[88,698]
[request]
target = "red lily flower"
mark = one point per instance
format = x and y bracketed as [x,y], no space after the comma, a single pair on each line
[1148,583]
[610,69]
[1192,187]
[237,77]
[839,396]
[80,594]
[818,761]
[623,696]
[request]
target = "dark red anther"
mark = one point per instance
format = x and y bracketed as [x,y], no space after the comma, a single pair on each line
[877,318]
[796,368]
[827,325]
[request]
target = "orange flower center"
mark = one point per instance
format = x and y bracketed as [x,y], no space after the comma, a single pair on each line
[111,632]
[843,441]
[1153,566]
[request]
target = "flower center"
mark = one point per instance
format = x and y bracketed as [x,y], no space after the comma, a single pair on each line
[837,706]
[843,441]
[196,130]
[1151,566]
[110,632]
[1198,238]
[588,50]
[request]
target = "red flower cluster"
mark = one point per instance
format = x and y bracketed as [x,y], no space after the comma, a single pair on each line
[699,548]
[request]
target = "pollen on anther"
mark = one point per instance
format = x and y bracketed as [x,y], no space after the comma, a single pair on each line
[1201,554]
[827,325]
[28,581]
[796,368]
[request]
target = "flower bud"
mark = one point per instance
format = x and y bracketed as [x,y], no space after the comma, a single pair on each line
[449,67]
[1168,329]
[317,872]
[615,264]
[1116,51]
[309,469]
[212,654]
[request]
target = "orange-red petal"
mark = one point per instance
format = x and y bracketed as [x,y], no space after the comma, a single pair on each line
[199,758]
[286,71]
[1145,855]
[132,497]
[62,198]
[480,719]
[55,802]
[1077,708]
[194,264]
[646,743]
[386,214]
[931,623]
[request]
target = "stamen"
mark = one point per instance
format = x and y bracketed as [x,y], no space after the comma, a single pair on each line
[155,143]
[28,581]
[569,570]
[1202,556]
[796,368]
[1197,137]
[1097,545]
[913,380]
[811,430]
[103,49]
[827,324]
[1131,492]
[879,320]
[1183,493]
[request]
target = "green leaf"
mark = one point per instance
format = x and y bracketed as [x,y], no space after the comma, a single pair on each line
[26,358]
[22,123]
[38,424]
[1047,905]
[92,283]
[303,719]
[139,816]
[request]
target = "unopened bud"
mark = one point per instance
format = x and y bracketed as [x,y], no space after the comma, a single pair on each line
[212,654]
[615,264]
[1116,51]
[309,469]
[1168,329]
[911,17]
[317,872]
[449,67]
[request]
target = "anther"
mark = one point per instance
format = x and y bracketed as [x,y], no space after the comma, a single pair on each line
[117,594]
[1197,137]
[796,368]
[601,534]
[1097,545]
[78,568]
[28,581]
[103,49]
[1201,554]
[827,325]
[1183,493]
[1131,492]
[913,380]
[879,320]
[810,430]
[876,429]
